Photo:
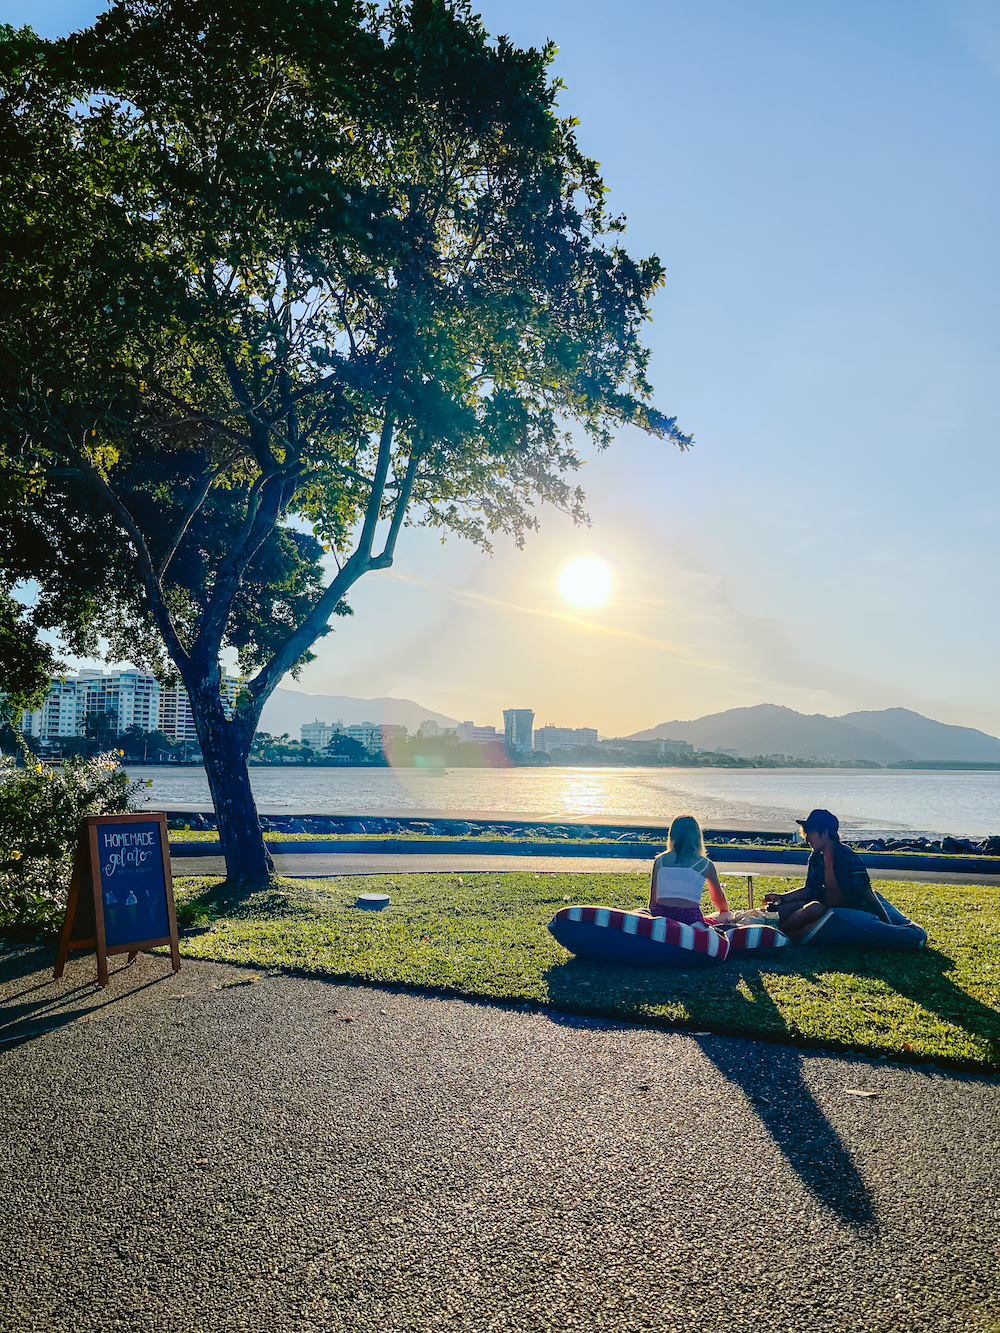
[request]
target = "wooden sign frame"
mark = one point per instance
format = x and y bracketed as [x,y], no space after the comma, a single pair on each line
[87,866]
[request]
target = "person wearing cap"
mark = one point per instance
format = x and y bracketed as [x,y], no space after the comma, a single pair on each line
[835,877]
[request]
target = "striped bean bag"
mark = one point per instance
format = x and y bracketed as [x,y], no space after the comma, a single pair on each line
[631,937]
[755,940]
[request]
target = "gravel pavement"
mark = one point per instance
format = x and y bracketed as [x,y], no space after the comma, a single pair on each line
[229,1150]
[309,865]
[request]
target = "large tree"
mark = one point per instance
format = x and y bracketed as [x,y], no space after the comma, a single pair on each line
[283,278]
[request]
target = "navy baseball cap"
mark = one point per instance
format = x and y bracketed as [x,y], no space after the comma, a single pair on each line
[819,821]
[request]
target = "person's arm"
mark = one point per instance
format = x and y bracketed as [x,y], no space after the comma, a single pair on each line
[862,893]
[715,891]
[792,896]
[652,884]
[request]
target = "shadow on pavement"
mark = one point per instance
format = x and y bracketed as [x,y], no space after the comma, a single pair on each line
[769,1076]
[43,1006]
[777,1092]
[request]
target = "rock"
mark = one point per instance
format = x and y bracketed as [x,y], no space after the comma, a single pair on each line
[959,846]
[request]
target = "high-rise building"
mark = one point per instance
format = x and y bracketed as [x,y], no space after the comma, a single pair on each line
[176,718]
[517,725]
[563,738]
[132,696]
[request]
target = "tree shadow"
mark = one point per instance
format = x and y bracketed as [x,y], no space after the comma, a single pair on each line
[920,975]
[771,1079]
[769,1075]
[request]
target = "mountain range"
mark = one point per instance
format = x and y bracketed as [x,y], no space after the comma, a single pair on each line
[888,736]
[287,710]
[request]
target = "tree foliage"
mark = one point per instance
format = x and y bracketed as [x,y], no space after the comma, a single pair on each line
[40,815]
[285,277]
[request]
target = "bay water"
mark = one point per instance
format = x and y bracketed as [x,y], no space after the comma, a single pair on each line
[867,801]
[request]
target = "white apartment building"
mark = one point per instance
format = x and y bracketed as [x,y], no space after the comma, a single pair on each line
[133,696]
[648,747]
[551,738]
[372,735]
[176,718]
[468,731]
[319,734]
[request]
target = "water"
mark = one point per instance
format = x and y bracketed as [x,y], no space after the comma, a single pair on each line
[866,801]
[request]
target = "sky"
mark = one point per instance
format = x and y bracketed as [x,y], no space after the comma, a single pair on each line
[821,183]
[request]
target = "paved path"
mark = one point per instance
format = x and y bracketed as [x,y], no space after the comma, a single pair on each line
[219,1151]
[311,864]
[314,864]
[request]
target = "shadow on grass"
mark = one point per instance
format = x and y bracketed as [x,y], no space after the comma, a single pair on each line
[228,898]
[922,976]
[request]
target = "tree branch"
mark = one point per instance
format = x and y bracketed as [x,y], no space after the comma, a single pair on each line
[247,407]
[307,633]
[262,514]
[154,591]
[399,513]
[192,509]
[359,563]
[374,509]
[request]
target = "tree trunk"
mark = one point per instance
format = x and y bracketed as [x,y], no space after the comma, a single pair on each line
[225,745]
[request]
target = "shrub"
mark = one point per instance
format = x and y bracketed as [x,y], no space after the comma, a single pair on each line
[40,814]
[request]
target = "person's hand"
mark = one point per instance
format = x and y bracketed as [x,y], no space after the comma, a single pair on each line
[772,899]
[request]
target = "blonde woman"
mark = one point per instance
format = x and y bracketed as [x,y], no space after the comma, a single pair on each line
[681,873]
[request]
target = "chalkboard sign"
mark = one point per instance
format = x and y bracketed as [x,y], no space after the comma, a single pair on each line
[121,896]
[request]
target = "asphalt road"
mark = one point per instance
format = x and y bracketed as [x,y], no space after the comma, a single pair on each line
[224,1150]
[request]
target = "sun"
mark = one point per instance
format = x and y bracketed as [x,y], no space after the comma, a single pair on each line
[585,582]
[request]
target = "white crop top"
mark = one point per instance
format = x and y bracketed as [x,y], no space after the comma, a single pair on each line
[674,881]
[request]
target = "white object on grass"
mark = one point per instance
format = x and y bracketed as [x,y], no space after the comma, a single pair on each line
[372,902]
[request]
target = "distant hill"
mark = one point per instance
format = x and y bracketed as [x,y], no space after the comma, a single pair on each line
[928,739]
[885,737]
[287,710]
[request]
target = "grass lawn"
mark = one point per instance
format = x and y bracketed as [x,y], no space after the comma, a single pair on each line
[482,935]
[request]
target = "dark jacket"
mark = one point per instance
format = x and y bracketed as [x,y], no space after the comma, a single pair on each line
[852,880]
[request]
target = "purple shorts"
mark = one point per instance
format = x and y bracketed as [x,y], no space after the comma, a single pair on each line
[687,916]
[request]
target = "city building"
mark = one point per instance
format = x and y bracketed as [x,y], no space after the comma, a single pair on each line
[431,728]
[319,734]
[551,738]
[468,731]
[373,736]
[176,718]
[132,696]
[628,746]
[57,715]
[517,725]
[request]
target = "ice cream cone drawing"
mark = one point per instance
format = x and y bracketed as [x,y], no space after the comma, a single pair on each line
[110,902]
[130,903]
